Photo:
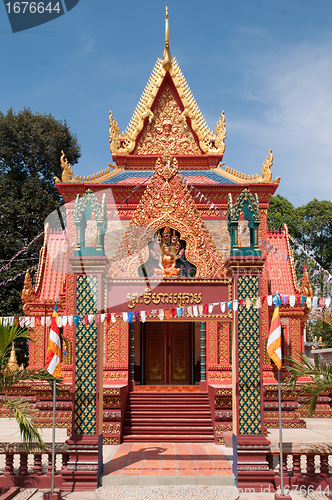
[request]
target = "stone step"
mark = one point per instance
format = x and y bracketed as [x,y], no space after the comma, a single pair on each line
[134,412]
[179,429]
[164,408]
[167,421]
[173,438]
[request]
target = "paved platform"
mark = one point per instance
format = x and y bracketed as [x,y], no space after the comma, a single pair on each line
[168,463]
[318,431]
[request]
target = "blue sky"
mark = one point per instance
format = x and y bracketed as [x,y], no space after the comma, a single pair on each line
[267,64]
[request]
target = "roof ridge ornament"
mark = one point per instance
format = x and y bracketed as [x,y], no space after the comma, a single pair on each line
[167,58]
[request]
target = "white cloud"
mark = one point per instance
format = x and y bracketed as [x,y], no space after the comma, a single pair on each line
[290,99]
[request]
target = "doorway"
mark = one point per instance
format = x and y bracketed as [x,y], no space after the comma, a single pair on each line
[168,349]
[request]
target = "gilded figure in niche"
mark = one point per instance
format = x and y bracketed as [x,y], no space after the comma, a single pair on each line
[167,250]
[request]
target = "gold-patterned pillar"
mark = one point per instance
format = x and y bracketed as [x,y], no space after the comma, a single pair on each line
[85,445]
[247,369]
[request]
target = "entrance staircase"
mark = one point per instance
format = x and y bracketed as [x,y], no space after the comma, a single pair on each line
[164,416]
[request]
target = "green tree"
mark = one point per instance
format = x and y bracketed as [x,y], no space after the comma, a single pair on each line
[30,150]
[19,407]
[311,226]
[281,212]
[315,230]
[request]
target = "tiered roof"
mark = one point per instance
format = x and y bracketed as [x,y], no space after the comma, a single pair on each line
[281,269]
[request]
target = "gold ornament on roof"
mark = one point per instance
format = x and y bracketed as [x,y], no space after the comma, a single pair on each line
[114,134]
[67,172]
[28,293]
[167,58]
[306,288]
[241,178]
[266,174]
[220,132]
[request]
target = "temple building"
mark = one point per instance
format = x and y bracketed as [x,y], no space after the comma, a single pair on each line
[163,265]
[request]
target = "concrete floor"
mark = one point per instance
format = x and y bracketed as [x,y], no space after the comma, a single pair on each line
[318,431]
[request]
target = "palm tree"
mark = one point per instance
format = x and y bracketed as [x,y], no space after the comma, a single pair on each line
[320,372]
[321,380]
[19,407]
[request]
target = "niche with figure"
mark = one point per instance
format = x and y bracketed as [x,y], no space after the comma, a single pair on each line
[167,256]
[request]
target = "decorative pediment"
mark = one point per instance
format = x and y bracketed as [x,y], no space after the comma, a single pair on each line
[167,202]
[209,142]
[168,130]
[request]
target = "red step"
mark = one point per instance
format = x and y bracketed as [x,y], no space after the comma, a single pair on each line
[164,438]
[172,416]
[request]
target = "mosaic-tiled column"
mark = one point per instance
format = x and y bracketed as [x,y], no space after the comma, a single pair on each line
[247,367]
[203,355]
[85,445]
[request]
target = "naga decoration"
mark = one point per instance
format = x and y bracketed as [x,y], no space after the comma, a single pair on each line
[67,172]
[266,174]
[306,288]
[28,293]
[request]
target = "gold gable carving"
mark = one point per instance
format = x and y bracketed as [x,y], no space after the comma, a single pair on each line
[168,130]
[167,201]
[209,141]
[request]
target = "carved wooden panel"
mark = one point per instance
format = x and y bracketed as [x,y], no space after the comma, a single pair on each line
[179,359]
[223,338]
[155,346]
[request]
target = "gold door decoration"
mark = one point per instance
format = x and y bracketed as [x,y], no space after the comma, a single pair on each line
[179,358]
[155,348]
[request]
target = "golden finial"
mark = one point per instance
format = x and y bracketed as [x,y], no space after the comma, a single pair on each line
[167,58]
[12,362]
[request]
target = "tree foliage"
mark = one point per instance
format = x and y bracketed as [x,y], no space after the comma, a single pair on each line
[30,150]
[311,226]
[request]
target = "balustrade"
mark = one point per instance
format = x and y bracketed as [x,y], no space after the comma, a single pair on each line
[306,465]
[32,468]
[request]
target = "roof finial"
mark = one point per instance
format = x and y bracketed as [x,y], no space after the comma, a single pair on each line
[167,59]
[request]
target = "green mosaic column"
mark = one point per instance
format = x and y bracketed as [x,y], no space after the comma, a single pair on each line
[86,357]
[203,350]
[131,352]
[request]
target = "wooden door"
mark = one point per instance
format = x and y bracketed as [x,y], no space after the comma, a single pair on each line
[155,350]
[179,353]
[167,353]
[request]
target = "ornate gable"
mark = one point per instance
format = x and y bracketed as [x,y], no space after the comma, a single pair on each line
[167,130]
[212,143]
[167,202]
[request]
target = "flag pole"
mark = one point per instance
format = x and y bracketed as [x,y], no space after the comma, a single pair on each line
[53,436]
[280,436]
[53,428]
